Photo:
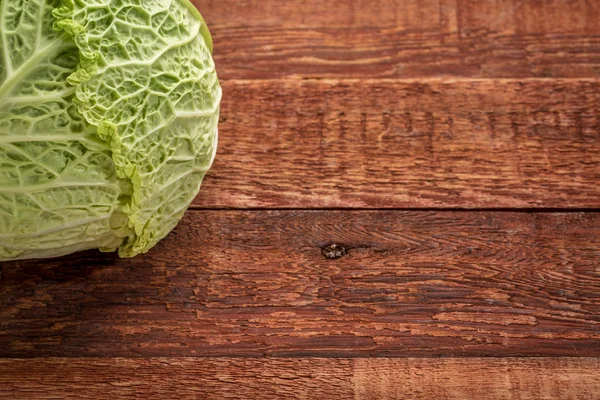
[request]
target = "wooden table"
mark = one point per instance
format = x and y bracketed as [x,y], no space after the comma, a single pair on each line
[450,149]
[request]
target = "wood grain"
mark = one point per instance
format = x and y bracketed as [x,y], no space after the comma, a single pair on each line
[245,283]
[364,105]
[476,378]
[407,144]
[358,379]
[176,378]
[265,39]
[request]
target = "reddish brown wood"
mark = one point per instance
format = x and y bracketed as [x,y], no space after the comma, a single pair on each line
[359,379]
[406,144]
[264,39]
[515,379]
[176,379]
[254,283]
[355,283]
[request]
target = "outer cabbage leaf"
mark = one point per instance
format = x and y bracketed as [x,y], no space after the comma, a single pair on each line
[108,123]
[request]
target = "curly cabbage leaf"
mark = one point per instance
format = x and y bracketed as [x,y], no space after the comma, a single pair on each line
[108,123]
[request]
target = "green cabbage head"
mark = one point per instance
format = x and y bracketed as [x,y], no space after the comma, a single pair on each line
[108,123]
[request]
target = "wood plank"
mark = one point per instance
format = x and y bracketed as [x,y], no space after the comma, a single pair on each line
[175,378]
[515,379]
[407,144]
[358,379]
[253,283]
[264,39]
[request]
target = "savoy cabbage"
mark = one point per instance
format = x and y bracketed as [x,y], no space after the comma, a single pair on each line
[108,123]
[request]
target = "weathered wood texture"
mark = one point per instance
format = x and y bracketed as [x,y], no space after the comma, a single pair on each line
[514,379]
[330,104]
[343,379]
[259,39]
[259,283]
[408,144]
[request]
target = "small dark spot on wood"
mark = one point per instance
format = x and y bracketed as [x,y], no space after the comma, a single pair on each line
[334,251]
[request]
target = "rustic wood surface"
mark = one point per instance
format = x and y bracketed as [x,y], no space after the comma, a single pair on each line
[267,283]
[407,144]
[359,379]
[396,178]
[260,39]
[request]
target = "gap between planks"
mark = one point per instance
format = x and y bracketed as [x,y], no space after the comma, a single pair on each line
[195,208]
[427,79]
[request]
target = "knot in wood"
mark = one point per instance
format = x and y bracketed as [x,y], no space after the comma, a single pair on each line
[334,251]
